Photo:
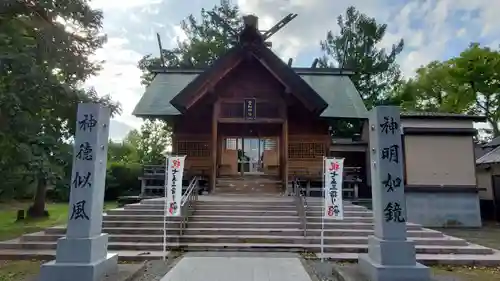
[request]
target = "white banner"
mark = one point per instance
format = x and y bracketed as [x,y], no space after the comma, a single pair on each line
[332,185]
[173,185]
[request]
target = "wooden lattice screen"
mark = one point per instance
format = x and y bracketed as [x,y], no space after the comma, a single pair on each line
[193,148]
[305,150]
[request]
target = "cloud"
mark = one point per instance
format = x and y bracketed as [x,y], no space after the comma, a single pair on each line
[119,77]
[432,30]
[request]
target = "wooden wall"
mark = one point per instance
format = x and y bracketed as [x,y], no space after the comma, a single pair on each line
[308,138]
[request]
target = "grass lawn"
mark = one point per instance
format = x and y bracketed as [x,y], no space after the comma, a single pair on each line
[10,229]
[467,273]
[19,270]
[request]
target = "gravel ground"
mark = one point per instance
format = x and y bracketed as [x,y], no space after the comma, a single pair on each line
[155,270]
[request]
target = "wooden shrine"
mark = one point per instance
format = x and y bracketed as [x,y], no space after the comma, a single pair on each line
[250,113]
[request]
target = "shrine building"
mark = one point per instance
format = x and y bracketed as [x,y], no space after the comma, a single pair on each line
[251,123]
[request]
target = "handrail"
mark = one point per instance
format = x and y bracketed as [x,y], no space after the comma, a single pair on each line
[301,203]
[188,203]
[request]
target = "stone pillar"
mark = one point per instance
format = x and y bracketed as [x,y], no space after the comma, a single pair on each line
[391,257]
[82,255]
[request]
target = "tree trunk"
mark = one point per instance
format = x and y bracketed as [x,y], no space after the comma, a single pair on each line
[37,210]
[495,128]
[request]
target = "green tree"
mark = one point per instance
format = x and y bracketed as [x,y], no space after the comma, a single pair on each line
[433,89]
[151,141]
[206,41]
[44,58]
[477,71]
[355,47]
[468,83]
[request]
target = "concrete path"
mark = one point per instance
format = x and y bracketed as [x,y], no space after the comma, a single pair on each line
[229,266]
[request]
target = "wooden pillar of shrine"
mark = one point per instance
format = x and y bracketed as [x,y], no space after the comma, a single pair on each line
[215,114]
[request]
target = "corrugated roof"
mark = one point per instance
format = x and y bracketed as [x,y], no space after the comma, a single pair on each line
[338,91]
[156,99]
[491,157]
[344,100]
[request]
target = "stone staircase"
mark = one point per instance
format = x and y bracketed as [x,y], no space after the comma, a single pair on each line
[242,223]
[248,185]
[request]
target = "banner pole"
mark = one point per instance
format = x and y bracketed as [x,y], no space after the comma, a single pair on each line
[323,213]
[165,207]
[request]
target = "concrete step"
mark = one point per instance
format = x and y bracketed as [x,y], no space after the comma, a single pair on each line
[430,259]
[341,248]
[246,225]
[207,207]
[234,201]
[247,231]
[258,239]
[235,218]
[291,207]
[260,213]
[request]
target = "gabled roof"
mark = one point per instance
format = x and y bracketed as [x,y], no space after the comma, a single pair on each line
[493,143]
[491,157]
[234,56]
[333,85]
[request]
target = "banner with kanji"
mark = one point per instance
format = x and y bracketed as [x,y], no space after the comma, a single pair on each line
[173,184]
[332,184]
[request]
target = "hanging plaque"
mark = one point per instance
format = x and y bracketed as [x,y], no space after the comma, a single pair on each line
[249,109]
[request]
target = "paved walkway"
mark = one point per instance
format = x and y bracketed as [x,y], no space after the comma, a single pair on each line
[228,266]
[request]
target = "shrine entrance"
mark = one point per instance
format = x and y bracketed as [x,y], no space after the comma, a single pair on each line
[246,156]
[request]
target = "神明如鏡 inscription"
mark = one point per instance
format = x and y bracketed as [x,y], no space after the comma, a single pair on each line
[389,125]
[78,211]
[391,183]
[393,213]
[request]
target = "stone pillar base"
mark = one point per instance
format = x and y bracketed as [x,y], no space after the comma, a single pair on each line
[53,271]
[377,272]
[80,259]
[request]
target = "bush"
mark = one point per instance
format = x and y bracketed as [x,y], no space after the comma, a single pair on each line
[122,180]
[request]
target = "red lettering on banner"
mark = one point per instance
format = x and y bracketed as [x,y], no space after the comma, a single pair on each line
[330,211]
[334,166]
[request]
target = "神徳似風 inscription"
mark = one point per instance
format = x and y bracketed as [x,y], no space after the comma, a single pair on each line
[85,151]
[87,123]
[78,211]
[82,181]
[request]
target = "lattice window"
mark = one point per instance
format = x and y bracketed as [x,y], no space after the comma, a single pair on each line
[193,148]
[231,143]
[270,144]
[305,150]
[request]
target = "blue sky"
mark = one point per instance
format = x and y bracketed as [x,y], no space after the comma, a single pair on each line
[432,30]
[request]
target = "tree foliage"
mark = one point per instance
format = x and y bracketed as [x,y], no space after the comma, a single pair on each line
[206,41]
[355,47]
[44,58]
[150,143]
[468,83]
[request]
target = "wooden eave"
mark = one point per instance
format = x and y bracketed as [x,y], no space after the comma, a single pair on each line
[221,67]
